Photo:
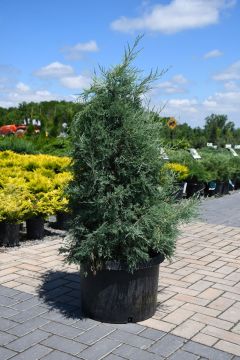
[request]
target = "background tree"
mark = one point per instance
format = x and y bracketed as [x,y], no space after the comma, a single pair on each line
[218,129]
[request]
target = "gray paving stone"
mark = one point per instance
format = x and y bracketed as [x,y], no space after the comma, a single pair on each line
[6,324]
[23,296]
[167,345]
[131,328]
[73,285]
[57,292]
[183,355]
[131,339]
[62,330]
[133,353]
[89,337]
[213,211]
[99,350]
[152,334]
[27,304]
[7,301]
[85,324]
[68,346]
[113,357]
[66,299]
[35,352]
[28,314]
[6,353]
[28,326]
[206,351]
[6,338]
[58,355]
[73,277]
[59,282]
[27,341]
[7,312]
[8,292]
[58,317]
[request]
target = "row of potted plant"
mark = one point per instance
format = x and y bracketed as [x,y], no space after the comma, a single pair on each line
[31,189]
[215,172]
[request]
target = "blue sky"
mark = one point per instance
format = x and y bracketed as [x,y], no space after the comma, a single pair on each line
[50,48]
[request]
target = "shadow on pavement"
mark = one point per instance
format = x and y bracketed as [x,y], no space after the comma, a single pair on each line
[61,291]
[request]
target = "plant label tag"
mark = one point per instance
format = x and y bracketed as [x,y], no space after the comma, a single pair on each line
[195,154]
[228,146]
[237,147]
[163,154]
[233,152]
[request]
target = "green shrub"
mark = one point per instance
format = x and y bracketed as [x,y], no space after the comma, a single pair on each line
[120,211]
[18,145]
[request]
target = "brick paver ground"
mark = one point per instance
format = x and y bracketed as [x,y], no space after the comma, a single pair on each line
[197,317]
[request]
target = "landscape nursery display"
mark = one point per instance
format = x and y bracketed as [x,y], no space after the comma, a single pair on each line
[124,219]
[31,189]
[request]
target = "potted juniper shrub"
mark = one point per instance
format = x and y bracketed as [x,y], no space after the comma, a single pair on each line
[63,215]
[180,173]
[124,220]
[42,206]
[14,204]
[40,186]
[219,171]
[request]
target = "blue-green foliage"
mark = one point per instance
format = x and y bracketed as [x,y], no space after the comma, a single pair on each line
[120,210]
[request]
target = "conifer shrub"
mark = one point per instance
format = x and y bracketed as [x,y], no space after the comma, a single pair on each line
[32,185]
[120,209]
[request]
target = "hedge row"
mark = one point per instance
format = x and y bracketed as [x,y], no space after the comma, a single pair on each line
[214,165]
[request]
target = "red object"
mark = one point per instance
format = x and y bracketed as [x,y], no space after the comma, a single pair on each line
[11,129]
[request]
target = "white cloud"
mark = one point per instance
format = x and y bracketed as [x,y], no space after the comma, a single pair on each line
[231,73]
[33,95]
[172,86]
[76,52]
[213,54]
[22,92]
[183,105]
[65,76]
[231,86]
[179,79]
[224,102]
[194,111]
[54,70]
[76,82]
[176,16]
[22,87]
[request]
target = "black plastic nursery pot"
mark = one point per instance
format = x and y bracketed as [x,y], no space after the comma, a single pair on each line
[9,234]
[115,295]
[210,189]
[226,188]
[63,219]
[236,182]
[222,188]
[193,188]
[35,227]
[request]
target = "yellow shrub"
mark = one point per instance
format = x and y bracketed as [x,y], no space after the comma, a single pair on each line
[15,203]
[180,171]
[32,185]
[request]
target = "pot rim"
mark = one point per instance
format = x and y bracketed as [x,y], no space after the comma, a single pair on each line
[114,265]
